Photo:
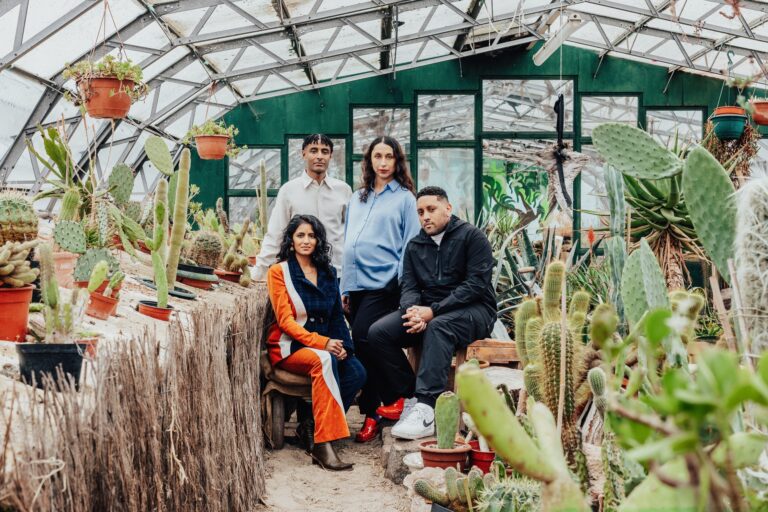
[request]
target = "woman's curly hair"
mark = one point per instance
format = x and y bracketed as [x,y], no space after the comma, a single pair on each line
[321,257]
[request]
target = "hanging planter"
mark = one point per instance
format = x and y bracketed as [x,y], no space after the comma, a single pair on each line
[729,122]
[107,88]
[760,111]
[214,140]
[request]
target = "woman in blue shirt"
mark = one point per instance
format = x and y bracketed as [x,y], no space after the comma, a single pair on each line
[381,219]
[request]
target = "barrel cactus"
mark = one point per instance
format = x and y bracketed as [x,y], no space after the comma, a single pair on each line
[206,249]
[18,220]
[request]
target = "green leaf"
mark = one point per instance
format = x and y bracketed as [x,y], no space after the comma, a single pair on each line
[665,448]
[656,328]
[745,448]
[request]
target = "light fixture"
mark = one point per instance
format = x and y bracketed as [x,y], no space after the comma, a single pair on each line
[565,31]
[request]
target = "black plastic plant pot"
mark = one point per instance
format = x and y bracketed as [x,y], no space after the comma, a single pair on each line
[36,360]
[36,297]
[439,508]
[178,292]
[198,269]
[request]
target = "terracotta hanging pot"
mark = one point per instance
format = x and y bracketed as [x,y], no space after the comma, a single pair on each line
[729,122]
[760,111]
[149,308]
[105,98]
[211,147]
[100,307]
[14,312]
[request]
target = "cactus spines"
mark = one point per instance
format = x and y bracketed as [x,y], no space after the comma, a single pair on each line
[634,152]
[603,325]
[70,236]
[156,245]
[426,490]
[70,204]
[115,281]
[527,310]
[181,204]
[102,216]
[48,283]
[133,210]
[579,303]
[709,196]
[158,153]
[98,275]
[88,261]
[643,287]
[18,220]
[161,196]
[446,419]
[120,183]
[596,379]
[553,291]
[531,379]
[15,269]
[61,317]
[206,249]
[223,220]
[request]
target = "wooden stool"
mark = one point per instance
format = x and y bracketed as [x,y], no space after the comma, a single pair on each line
[280,383]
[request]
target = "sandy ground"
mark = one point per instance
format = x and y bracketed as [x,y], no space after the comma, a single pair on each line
[294,484]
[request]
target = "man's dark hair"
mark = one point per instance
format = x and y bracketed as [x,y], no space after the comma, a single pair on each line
[432,191]
[317,138]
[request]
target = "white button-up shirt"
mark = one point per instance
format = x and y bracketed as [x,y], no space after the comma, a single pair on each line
[305,196]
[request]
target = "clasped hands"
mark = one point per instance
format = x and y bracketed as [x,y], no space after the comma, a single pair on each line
[336,347]
[416,319]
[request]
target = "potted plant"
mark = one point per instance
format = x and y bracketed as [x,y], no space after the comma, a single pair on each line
[481,455]
[159,309]
[102,305]
[15,289]
[107,88]
[445,451]
[18,220]
[214,140]
[57,349]
[235,263]
[729,122]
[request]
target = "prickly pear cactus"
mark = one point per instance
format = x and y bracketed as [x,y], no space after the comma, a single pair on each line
[446,419]
[87,262]
[133,210]
[158,153]
[98,275]
[18,220]
[643,287]
[102,217]
[70,236]
[634,152]
[120,183]
[513,494]
[709,196]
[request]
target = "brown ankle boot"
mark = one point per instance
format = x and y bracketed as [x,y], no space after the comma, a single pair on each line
[325,456]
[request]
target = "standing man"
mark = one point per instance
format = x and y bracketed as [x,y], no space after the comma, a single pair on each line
[446,301]
[312,193]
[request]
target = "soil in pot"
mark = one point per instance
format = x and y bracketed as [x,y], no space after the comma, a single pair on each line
[106,97]
[100,307]
[14,312]
[480,458]
[435,457]
[232,277]
[56,360]
[64,265]
[149,308]
[211,147]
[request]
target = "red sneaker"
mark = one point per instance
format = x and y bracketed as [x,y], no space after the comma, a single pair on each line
[369,432]
[392,411]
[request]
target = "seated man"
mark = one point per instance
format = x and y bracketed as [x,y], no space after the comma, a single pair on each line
[446,301]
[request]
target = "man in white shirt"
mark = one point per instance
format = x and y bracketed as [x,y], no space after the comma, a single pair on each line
[312,193]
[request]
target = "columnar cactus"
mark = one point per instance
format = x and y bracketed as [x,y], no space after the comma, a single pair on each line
[262,228]
[181,204]
[15,269]
[234,261]
[18,220]
[115,281]
[159,248]
[62,318]
[446,419]
[70,205]
[206,249]
[460,492]
[222,215]
[161,196]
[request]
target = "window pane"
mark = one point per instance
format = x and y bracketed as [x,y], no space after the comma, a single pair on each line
[593,194]
[369,123]
[336,169]
[453,169]
[596,110]
[665,125]
[244,170]
[525,105]
[446,117]
[241,208]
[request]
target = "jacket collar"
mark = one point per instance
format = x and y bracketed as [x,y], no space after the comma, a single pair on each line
[324,279]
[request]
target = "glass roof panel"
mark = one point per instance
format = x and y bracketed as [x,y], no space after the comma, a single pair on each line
[8,23]
[161,64]
[261,10]
[303,7]
[42,14]
[348,37]
[445,16]
[195,72]
[224,18]
[274,82]
[185,21]
[151,36]
[606,11]
[252,57]
[15,108]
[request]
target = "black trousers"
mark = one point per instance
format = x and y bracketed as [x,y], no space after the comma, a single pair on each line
[366,307]
[443,335]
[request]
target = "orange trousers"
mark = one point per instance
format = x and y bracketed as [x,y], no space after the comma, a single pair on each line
[327,407]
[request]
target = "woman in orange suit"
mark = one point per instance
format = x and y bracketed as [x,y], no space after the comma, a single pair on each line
[309,335]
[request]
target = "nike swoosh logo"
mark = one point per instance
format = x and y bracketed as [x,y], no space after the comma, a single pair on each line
[427,424]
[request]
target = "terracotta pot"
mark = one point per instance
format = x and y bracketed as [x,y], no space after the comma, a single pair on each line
[212,147]
[252,261]
[143,247]
[729,110]
[149,308]
[196,283]
[64,265]
[760,111]
[117,243]
[232,277]
[105,98]
[90,346]
[479,458]
[434,457]
[101,288]
[100,306]
[14,312]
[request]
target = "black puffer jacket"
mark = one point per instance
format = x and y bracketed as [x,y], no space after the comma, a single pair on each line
[453,275]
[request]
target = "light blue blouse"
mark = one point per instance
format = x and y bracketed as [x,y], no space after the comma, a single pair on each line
[375,236]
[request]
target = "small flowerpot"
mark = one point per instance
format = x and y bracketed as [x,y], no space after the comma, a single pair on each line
[102,287]
[435,457]
[90,346]
[480,458]
[760,111]
[64,265]
[14,312]
[105,98]
[100,307]
[37,360]
[143,247]
[196,283]
[729,122]
[149,308]
[252,261]
[212,147]
[232,277]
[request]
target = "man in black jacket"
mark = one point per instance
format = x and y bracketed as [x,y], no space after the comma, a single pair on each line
[446,301]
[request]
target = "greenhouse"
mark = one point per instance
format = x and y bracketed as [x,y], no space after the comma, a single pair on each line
[396,255]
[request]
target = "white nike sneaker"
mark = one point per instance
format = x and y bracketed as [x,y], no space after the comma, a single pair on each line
[407,406]
[418,423]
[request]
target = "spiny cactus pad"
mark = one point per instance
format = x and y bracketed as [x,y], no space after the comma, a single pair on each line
[709,196]
[87,262]
[158,153]
[643,287]
[70,236]
[634,152]
[120,183]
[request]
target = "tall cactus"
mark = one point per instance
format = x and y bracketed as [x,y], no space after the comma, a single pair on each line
[161,196]
[62,318]
[158,246]
[181,204]
[262,199]
[446,419]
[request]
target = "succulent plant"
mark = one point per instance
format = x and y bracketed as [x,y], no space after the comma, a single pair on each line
[446,419]
[70,205]
[114,282]
[206,249]
[88,261]
[120,184]
[62,318]
[222,215]
[158,246]
[179,228]
[15,268]
[234,260]
[98,275]
[643,287]
[18,220]
[634,152]
[511,494]
[133,210]
[460,492]
[69,235]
